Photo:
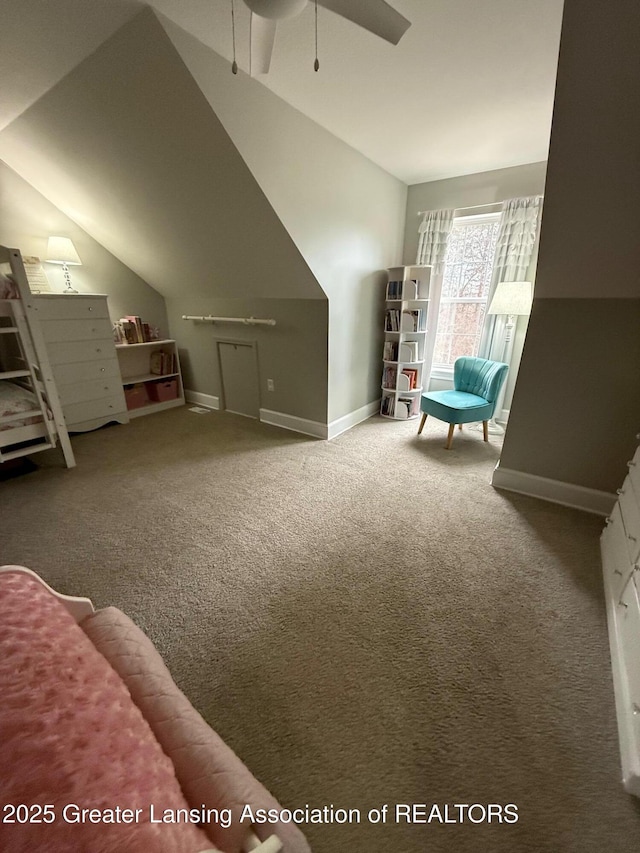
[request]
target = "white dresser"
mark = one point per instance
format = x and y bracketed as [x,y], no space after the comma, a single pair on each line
[620,544]
[78,334]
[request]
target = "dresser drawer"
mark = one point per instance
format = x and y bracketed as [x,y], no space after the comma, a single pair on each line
[616,564]
[66,352]
[76,330]
[628,622]
[66,307]
[79,412]
[92,389]
[69,374]
[630,509]
[634,472]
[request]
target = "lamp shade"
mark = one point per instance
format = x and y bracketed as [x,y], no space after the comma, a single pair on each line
[60,250]
[511,297]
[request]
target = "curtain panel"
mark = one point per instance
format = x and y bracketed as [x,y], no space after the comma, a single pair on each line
[433,234]
[519,221]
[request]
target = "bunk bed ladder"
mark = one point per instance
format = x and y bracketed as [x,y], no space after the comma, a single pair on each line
[36,366]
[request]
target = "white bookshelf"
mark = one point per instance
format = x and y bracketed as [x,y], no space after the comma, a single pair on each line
[142,385]
[404,371]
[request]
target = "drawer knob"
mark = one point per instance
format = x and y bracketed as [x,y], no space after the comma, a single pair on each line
[90,309]
[619,491]
[617,572]
[633,538]
[102,370]
[622,604]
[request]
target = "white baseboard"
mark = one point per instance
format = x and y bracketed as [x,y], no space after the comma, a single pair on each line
[555,491]
[199,399]
[295,424]
[344,423]
[306,427]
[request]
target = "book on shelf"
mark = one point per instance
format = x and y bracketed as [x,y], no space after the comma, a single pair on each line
[162,363]
[413,321]
[408,351]
[412,377]
[390,351]
[392,320]
[403,407]
[394,290]
[387,407]
[131,329]
[389,377]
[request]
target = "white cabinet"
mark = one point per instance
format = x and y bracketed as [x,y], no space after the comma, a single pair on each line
[79,340]
[151,377]
[620,546]
[405,334]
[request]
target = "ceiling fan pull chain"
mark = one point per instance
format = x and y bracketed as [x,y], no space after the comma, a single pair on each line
[316,64]
[234,64]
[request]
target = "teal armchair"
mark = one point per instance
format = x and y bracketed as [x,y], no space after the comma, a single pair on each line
[476,387]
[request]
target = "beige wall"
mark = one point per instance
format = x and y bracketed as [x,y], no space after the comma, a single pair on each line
[27,220]
[468,191]
[293,353]
[576,408]
[344,213]
[128,147]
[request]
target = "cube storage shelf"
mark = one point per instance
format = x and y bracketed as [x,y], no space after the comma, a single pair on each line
[405,331]
[151,376]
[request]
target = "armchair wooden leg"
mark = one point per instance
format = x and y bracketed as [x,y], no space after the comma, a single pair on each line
[450,437]
[424,417]
[485,430]
[460,427]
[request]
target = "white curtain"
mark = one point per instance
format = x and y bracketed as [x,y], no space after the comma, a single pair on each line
[433,234]
[519,220]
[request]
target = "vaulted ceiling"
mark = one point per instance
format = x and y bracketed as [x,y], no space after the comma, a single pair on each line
[469,87]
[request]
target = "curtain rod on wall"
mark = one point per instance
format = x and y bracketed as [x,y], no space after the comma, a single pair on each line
[470,207]
[474,206]
[247,321]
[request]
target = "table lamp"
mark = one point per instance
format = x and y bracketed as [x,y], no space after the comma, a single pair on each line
[60,250]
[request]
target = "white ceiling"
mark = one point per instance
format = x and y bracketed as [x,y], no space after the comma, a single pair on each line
[468,89]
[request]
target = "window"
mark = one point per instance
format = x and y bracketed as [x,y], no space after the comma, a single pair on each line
[468,267]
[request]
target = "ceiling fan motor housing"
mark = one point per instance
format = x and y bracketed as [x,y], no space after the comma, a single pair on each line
[277,10]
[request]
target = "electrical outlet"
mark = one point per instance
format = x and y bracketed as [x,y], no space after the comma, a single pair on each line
[269,384]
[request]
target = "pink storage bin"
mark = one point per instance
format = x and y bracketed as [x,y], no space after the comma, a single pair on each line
[159,392]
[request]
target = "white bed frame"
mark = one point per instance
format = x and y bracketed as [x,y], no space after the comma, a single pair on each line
[51,429]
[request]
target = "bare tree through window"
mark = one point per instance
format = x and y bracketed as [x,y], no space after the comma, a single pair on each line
[468,268]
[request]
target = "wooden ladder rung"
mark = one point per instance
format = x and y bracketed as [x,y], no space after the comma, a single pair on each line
[24,451]
[14,374]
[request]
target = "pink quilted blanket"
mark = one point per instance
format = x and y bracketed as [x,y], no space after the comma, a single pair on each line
[82,771]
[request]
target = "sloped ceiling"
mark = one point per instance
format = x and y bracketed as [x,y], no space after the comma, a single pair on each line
[468,89]
[128,147]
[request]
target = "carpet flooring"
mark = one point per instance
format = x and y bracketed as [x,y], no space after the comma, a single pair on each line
[365,621]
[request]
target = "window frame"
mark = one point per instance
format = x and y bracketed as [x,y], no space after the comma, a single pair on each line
[444,372]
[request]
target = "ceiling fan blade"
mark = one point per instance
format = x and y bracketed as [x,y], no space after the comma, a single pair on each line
[263,36]
[374,15]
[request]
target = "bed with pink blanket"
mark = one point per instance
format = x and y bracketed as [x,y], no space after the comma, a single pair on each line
[101,750]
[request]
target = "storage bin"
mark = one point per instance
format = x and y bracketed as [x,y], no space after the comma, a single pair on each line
[136,396]
[166,389]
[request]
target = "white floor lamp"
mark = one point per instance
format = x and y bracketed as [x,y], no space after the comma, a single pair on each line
[511,299]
